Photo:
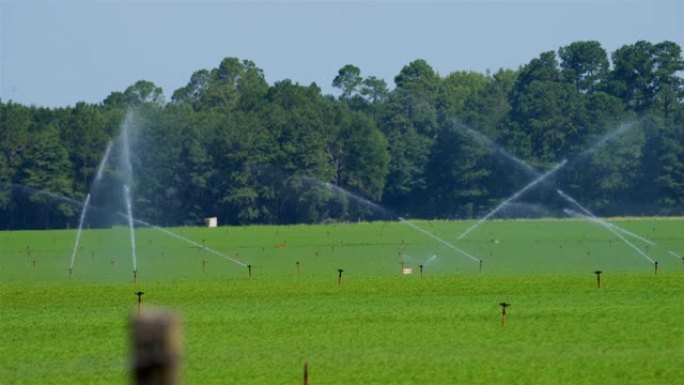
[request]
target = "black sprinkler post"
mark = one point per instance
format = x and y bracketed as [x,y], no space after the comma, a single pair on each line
[481,261]
[135,276]
[298,270]
[656,267]
[70,272]
[339,277]
[249,270]
[504,316]
[421,270]
[139,294]
[306,373]
[598,278]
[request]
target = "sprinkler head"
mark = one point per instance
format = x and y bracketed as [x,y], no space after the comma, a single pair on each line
[598,272]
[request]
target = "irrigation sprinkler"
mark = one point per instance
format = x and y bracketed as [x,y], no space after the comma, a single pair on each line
[504,316]
[481,261]
[249,270]
[339,277]
[135,276]
[598,278]
[306,373]
[655,265]
[421,270]
[298,269]
[70,272]
[139,294]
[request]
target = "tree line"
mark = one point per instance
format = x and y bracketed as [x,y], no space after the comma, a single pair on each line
[230,144]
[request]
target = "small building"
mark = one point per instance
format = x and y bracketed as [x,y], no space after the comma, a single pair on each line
[211,221]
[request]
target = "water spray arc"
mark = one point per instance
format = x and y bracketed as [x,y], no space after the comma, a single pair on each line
[591,215]
[84,208]
[611,229]
[615,229]
[189,241]
[513,197]
[377,207]
[438,239]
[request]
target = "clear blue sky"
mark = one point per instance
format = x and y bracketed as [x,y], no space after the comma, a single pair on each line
[56,53]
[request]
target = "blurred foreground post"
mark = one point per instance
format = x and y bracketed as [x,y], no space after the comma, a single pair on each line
[156,343]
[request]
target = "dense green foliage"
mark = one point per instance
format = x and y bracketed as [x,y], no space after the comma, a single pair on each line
[377,327]
[232,145]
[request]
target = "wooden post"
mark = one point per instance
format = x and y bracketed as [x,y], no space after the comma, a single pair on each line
[306,373]
[504,316]
[156,345]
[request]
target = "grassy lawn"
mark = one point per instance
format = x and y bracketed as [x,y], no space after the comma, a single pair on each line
[378,327]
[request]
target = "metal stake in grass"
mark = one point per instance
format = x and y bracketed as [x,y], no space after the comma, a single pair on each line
[339,277]
[504,316]
[598,278]
[656,266]
[249,270]
[421,270]
[306,373]
[139,294]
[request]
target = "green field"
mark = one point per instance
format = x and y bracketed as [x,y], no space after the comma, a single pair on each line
[378,327]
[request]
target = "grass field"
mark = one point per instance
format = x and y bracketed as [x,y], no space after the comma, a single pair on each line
[378,327]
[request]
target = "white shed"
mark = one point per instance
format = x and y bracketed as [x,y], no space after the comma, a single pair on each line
[211,221]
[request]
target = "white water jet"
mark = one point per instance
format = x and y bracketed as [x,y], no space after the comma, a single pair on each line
[672,253]
[184,239]
[614,226]
[382,209]
[612,135]
[609,228]
[488,142]
[101,166]
[131,227]
[84,209]
[513,197]
[438,239]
